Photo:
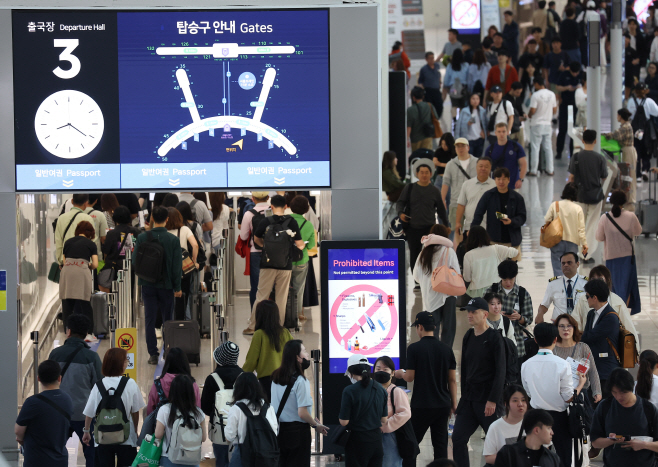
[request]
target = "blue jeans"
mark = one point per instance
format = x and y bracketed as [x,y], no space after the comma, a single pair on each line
[89,451]
[165,462]
[391,455]
[236,459]
[156,301]
[221,454]
[254,274]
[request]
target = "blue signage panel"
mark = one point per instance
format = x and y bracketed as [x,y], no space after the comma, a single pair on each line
[223,90]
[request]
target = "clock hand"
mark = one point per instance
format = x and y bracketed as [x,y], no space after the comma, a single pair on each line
[77,130]
[63,126]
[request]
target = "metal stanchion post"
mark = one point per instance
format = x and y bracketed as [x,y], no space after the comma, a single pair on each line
[315,355]
[119,298]
[594,76]
[34,335]
[112,300]
[616,58]
[230,272]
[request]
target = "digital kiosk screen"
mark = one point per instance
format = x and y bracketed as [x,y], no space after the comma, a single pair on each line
[171,100]
[363,304]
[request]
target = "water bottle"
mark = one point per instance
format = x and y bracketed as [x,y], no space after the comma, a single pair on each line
[451,424]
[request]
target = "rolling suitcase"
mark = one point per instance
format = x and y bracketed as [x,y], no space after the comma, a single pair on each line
[647,209]
[184,335]
[201,309]
[101,314]
[291,321]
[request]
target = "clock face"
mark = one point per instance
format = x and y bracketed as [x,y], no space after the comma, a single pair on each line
[69,124]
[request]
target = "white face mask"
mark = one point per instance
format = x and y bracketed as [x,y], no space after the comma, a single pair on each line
[352,380]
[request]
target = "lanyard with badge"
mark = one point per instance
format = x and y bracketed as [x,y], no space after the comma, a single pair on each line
[569,295]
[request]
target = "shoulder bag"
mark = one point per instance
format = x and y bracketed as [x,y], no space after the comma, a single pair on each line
[341,434]
[551,233]
[55,271]
[148,427]
[438,132]
[405,436]
[428,128]
[627,355]
[446,280]
[188,262]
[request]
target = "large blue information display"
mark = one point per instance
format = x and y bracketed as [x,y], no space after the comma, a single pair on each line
[171,100]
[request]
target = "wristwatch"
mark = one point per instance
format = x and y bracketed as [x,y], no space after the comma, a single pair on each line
[85,430]
[522,180]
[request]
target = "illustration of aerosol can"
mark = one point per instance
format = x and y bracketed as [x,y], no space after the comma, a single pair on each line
[363,300]
[359,302]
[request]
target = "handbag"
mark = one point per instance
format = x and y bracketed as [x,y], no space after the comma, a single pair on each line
[438,132]
[55,271]
[149,453]
[188,262]
[341,434]
[148,427]
[446,280]
[28,272]
[407,443]
[551,233]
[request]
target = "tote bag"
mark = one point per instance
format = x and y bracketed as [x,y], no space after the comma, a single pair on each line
[446,280]
[551,233]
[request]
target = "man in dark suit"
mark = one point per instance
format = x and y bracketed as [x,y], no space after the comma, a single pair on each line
[601,331]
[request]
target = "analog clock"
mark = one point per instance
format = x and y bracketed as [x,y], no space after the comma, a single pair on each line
[69,124]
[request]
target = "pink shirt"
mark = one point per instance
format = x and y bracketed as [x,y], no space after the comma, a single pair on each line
[246,229]
[166,384]
[402,410]
[616,245]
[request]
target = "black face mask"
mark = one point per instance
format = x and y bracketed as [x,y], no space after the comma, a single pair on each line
[382,377]
[305,363]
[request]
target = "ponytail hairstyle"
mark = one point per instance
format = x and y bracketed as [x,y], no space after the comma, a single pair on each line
[362,370]
[648,361]
[427,254]
[617,199]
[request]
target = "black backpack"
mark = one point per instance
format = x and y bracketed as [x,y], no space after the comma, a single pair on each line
[258,217]
[639,121]
[580,422]
[277,245]
[150,260]
[260,447]
[512,373]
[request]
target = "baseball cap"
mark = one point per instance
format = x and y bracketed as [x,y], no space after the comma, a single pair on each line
[478,303]
[423,318]
[641,87]
[461,141]
[496,89]
[356,360]
[260,194]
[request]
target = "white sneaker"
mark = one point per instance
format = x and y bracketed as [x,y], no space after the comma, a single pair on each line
[158,333]
[91,338]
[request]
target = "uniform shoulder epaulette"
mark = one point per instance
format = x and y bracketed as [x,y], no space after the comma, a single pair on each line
[586,278]
[553,278]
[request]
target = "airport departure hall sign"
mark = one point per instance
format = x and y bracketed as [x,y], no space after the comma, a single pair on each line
[177,99]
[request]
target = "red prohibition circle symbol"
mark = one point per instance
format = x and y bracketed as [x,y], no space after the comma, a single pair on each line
[362,320]
[126,342]
[466,13]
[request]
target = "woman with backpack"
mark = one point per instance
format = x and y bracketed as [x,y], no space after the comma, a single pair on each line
[118,446]
[248,396]
[227,371]
[181,425]
[437,251]
[399,410]
[569,345]
[291,398]
[618,229]
[364,410]
[175,364]
[202,258]
[266,349]
[118,240]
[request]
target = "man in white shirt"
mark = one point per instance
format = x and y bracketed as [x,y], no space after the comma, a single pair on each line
[543,106]
[547,379]
[498,111]
[470,194]
[458,170]
[563,291]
